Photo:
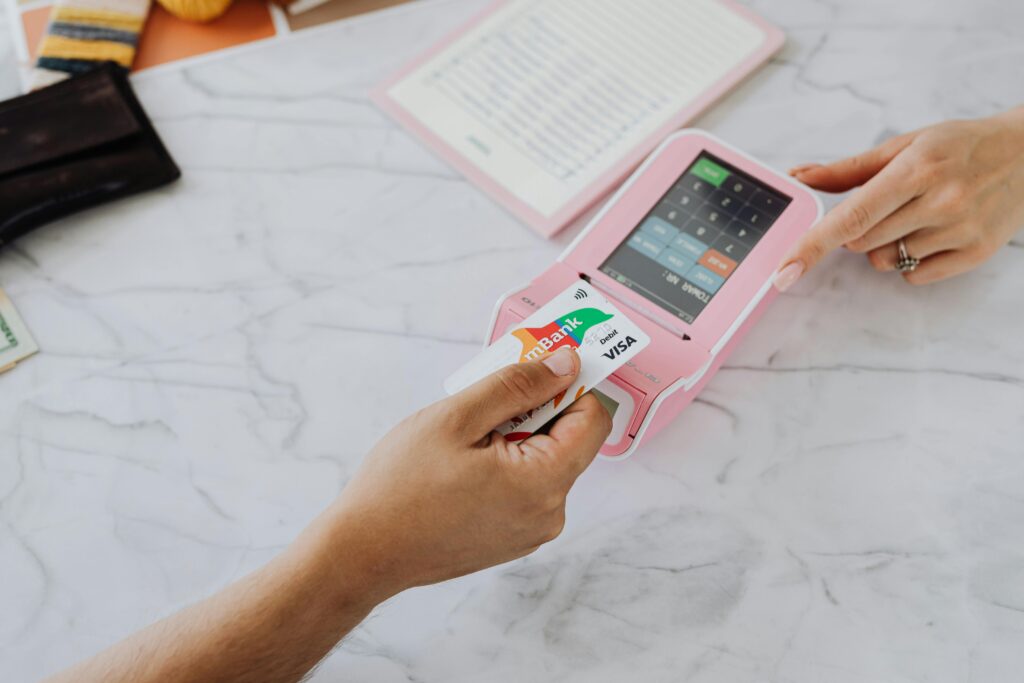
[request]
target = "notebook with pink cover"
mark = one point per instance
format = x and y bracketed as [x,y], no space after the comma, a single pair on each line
[548,105]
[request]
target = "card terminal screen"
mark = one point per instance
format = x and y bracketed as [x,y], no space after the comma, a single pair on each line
[696,236]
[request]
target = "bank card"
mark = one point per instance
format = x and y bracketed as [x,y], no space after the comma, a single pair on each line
[581,318]
[16,344]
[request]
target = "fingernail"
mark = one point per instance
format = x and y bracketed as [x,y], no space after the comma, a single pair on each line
[797,170]
[561,362]
[785,278]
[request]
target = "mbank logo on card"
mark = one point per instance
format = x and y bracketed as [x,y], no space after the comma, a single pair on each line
[568,330]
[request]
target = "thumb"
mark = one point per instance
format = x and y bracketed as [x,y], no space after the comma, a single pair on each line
[513,390]
[854,171]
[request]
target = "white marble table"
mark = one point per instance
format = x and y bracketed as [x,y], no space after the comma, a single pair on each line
[845,504]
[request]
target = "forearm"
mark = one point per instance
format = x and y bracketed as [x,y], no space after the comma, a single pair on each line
[272,626]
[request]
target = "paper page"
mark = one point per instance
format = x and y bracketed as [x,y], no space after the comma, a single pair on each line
[544,97]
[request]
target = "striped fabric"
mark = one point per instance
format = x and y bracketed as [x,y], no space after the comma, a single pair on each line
[82,33]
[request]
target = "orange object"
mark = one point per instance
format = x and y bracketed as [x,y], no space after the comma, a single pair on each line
[201,11]
[717,262]
[166,38]
[34,21]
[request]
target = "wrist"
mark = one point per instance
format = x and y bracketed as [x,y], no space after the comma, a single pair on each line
[323,559]
[348,559]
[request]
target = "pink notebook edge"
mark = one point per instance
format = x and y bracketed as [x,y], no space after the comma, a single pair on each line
[548,226]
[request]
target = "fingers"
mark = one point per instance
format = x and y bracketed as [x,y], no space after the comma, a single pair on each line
[920,244]
[512,391]
[902,222]
[943,266]
[941,250]
[852,218]
[574,438]
[851,172]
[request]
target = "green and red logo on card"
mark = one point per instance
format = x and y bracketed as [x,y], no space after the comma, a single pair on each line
[567,330]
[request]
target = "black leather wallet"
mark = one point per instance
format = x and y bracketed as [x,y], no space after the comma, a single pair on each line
[78,143]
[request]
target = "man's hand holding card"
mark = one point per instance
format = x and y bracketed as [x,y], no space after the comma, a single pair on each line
[580,318]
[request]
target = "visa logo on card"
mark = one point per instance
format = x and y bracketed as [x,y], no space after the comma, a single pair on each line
[579,317]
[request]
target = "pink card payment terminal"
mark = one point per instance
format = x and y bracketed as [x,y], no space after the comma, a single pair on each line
[686,248]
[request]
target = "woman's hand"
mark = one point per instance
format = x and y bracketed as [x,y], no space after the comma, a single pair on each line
[954,192]
[444,495]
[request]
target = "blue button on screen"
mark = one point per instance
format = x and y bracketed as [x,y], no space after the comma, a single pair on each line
[675,261]
[646,245]
[705,279]
[659,229]
[689,245]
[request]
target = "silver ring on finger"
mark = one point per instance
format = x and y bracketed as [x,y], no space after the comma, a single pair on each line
[905,263]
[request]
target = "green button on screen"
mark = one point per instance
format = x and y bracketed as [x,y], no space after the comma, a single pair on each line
[710,171]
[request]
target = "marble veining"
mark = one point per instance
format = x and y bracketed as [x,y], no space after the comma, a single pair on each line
[844,503]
